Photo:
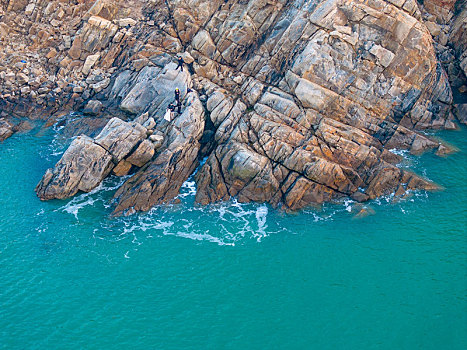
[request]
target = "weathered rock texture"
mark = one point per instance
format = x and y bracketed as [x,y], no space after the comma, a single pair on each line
[458,38]
[292,102]
[161,179]
[88,161]
[5,129]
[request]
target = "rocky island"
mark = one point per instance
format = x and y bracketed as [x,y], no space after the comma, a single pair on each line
[289,102]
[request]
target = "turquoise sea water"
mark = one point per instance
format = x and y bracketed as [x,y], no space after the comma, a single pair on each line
[230,276]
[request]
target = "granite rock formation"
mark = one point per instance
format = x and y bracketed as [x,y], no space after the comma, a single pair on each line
[290,102]
[88,161]
[5,129]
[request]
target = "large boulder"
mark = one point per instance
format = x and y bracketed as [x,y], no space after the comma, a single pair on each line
[142,154]
[93,107]
[95,35]
[82,168]
[88,161]
[119,137]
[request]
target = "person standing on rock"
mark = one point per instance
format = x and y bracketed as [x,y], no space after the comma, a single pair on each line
[177,98]
[180,63]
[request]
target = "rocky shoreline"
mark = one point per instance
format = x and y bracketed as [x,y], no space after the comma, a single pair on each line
[292,103]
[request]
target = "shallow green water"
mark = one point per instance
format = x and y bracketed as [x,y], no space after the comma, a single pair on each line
[230,276]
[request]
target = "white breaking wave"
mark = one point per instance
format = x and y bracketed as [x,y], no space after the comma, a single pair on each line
[224,223]
[227,223]
[188,189]
[409,161]
[348,204]
[400,152]
[261,217]
[91,198]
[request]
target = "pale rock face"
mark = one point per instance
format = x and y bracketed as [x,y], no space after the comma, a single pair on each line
[191,15]
[119,137]
[88,161]
[90,61]
[154,89]
[125,22]
[82,167]
[458,37]
[5,129]
[329,143]
[103,8]
[96,34]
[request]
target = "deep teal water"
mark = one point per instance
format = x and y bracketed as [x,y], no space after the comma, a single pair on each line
[230,276]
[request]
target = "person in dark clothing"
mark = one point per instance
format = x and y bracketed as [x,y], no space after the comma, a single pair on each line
[180,63]
[171,107]
[177,99]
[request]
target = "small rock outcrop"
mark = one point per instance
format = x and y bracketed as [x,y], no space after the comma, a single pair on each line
[5,129]
[93,107]
[82,167]
[88,161]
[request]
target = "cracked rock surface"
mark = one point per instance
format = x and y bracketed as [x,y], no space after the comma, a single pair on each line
[291,102]
[88,161]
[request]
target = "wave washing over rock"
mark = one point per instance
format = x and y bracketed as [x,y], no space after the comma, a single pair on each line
[288,102]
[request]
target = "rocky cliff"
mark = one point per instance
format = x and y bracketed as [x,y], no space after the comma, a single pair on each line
[290,102]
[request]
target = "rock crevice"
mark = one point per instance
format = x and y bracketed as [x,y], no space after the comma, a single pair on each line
[292,102]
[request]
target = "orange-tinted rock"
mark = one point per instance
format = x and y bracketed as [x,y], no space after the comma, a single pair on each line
[303,101]
[122,168]
[75,50]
